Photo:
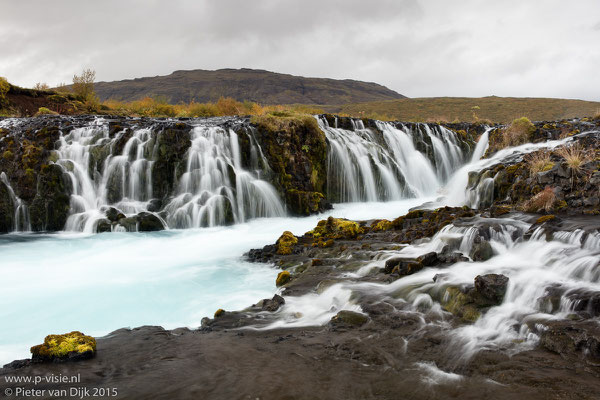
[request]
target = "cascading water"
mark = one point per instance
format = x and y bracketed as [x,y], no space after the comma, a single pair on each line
[365,165]
[21,221]
[215,189]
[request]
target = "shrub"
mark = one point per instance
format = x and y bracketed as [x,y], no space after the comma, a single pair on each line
[519,132]
[539,162]
[4,88]
[41,86]
[544,200]
[83,85]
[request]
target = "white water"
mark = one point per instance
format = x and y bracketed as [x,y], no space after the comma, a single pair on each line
[21,221]
[363,166]
[57,283]
[98,283]
[214,190]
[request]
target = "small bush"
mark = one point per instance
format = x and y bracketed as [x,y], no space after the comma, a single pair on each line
[544,200]
[519,132]
[539,162]
[4,88]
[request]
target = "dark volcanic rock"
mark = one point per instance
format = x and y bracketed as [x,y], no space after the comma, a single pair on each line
[491,287]
[272,304]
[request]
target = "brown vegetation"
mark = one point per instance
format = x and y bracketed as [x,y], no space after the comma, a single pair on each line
[543,201]
[539,162]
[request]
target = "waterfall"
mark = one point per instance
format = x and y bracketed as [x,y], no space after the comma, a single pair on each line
[21,221]
[385,164]
[215,189]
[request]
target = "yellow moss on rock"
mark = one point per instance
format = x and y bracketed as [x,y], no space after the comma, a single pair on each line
[458,303]
[336,228]
[282,278]
[219,312]
[285,243]
[62,346]
[382,225]
[545,218]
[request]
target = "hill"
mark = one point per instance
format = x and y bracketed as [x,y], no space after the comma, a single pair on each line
[495,109]
[245,84]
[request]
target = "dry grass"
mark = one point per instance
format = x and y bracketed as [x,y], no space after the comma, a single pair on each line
[497,109]
[575,156]
[539,162]
[225,106]
[544,200]
[597,115]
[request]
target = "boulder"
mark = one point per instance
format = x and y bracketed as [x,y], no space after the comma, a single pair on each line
[148,222]
[272,304]
[113,214]
[491,287]
[68,347]
[481,251]
[346,318]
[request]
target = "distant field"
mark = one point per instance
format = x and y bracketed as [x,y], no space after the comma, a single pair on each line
[495,109]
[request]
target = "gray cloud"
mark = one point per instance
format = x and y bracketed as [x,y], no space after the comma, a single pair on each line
[418,48]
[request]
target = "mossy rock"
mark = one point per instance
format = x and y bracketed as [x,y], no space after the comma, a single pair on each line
[381,225]
[68,347]
[282,278]
[219,312]
[349,318]
[336,228]
[545,218]
[460,304]
[285,243]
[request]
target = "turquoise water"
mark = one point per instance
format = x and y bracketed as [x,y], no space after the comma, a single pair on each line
[56,283]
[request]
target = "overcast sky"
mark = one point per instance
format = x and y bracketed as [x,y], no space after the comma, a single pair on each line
[419,48]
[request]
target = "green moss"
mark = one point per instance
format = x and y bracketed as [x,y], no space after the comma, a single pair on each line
[61,346]
[282,278]
[8,155]
[285,243]
[545,218]
[459,304]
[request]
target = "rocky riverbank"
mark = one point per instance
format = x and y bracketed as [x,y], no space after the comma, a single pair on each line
[377,338]
[497,300]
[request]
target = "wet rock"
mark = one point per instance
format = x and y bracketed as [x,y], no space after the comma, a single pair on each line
[7,210]
[148,222]
[491,287]
[154,205]
[113,214]
[129,223]
[481,251]
[572,338]
[428,259]
[272,304]
[348,318]
[469,302]
[103,225]
[50,207]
